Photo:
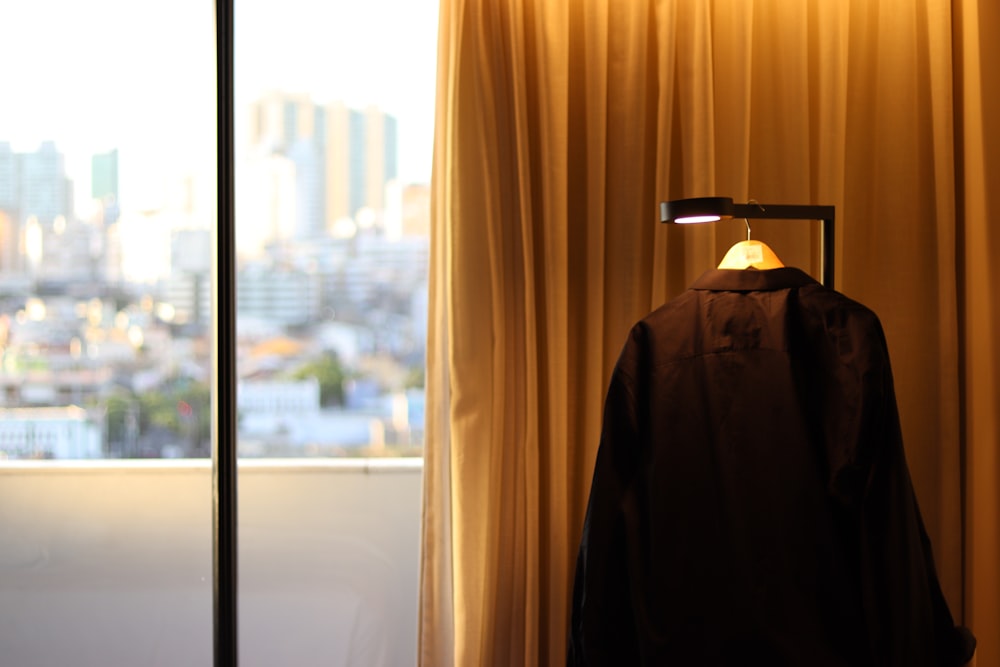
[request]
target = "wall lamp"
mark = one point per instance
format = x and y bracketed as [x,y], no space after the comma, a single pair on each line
[711,209]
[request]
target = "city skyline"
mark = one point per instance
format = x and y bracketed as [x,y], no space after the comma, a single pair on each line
[78,330]
[280,194]
[107,308]
[379,53]
[165,191]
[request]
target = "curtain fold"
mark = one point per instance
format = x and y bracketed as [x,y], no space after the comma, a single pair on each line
[978,120]
[560,126]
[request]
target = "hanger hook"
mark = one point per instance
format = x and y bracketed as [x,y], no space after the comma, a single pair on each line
[747,221]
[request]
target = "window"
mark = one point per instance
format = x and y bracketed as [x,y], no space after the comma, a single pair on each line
[107,206]
[107,210]
[106,166]
[334,130]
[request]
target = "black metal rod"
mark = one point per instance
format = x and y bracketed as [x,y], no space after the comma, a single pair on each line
[224,497]
[783,211]
[825,214]
[829,238]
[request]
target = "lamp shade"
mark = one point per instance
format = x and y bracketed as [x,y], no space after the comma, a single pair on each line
[696,209]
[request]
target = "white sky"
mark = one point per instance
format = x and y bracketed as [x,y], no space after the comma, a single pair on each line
[140,76]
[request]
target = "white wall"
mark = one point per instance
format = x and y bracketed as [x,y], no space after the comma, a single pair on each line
[110,563]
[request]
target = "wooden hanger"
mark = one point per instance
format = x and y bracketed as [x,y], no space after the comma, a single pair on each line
[750,254]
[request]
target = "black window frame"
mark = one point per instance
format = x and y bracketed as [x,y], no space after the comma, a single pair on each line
[224,496]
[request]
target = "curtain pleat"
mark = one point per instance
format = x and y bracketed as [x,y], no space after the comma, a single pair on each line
[436,611]
[560,126]
[978,96]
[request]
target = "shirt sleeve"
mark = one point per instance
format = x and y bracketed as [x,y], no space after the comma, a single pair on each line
[908,618]
[602,630]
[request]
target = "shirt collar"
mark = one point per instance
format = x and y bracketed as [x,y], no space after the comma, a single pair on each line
[753,280]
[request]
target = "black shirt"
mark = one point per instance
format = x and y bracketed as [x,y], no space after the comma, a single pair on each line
[751,502]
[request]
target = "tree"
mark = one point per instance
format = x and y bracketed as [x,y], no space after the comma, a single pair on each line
[330,373]
[117,411]
[182,408]
[415,377]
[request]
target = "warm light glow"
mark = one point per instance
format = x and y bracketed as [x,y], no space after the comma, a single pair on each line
[35,309]
[366,218]
[33,241]
[165,312]
[344,228]
[135,336]
[95,312]
[691,219]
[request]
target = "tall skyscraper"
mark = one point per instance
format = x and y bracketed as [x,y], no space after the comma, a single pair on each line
[343,157]
[373,154]
[42,188]
[278,120]
[104,183]
[291,127]
[33,187]
[8,186]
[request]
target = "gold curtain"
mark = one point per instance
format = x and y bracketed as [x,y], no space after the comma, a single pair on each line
[978,178]
[560,126]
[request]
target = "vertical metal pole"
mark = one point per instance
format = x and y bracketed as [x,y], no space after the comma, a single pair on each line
[224,552]
[829,238]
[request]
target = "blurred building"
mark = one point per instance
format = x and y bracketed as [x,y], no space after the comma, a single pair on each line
[49,433]
[342,157]
[9,243]
[9,201]
[290,398]
[35,192]
[282,295]
[408,210]
[189,286]
[39,185]
[104,184]
[70,256]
